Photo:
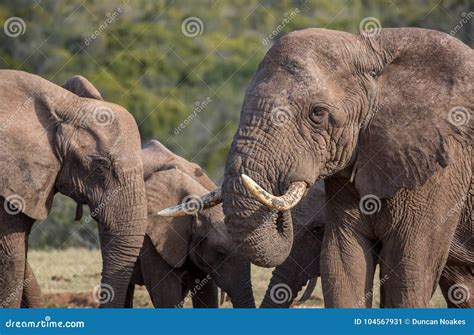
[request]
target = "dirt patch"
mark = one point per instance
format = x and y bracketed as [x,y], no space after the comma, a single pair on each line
[70,299]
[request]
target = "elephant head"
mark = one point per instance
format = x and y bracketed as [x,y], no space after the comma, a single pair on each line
[57,141]
[302,265]
[199,236]
[377,108]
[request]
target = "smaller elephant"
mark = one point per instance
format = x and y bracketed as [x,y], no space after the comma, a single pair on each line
[302,267]
[192,253]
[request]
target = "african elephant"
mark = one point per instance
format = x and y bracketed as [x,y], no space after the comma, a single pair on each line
[385,117]
[79,145]
[188,253]
[303,264]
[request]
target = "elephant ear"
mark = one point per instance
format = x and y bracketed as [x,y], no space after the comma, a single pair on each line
[28,159]
[424,98]
[82,87]
[170,236]
[156,157]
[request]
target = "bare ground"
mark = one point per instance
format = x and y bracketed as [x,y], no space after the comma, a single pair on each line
[68,277]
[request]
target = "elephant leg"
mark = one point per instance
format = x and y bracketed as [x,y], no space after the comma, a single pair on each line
[203,289]
[163,282]
[412,268]
[129,296]
[416,244]
[32,297]
[14,231]
[457,285]
[347,270]
[348,256]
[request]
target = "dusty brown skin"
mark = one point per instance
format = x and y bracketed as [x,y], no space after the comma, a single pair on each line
[177,252]
[303,264]
[375,108]
[56,141]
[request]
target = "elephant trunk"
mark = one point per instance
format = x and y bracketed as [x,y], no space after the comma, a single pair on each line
[263,236]
[242,296]
[300,267]
[121,232]
[283,289]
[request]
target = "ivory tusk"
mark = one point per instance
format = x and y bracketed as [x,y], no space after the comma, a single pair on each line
[281,203]
[208,200]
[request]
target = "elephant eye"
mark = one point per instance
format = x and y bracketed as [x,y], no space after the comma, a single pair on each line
[318,114]
[318,229]
[100,165]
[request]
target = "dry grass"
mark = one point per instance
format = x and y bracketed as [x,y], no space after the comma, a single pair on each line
[67,278]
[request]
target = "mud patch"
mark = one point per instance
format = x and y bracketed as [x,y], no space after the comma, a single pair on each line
[70,300]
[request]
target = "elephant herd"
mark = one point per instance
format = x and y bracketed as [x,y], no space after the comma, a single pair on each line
[352,151]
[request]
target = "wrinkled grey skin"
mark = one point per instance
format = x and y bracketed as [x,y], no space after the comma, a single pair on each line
[303,264]
[180,254]
[374,108]
[54,140]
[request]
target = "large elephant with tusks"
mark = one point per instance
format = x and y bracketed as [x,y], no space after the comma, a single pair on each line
[386,115]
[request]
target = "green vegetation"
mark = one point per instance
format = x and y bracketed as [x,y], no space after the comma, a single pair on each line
[136,53]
